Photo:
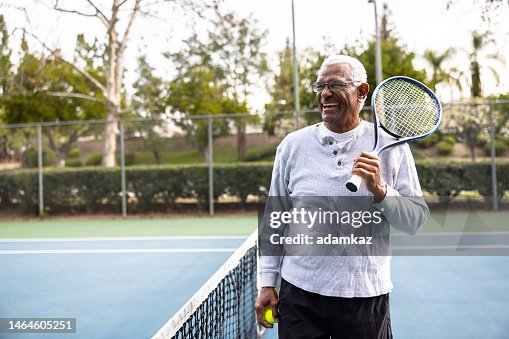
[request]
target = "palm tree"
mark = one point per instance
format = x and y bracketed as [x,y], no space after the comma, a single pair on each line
[436,60]
[478,64]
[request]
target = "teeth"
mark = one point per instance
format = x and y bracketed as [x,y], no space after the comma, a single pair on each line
[329,105]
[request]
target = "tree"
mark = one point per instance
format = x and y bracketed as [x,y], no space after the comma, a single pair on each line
[114,67]
[5,75]
[118,21]
[149,100]
[487,6]
[5,57]
[466,122]
[281,90]
[232,52]
[396,59]
[436,61]
[480,61]
[501,114]
[194,92]
[33,96]
[239,63]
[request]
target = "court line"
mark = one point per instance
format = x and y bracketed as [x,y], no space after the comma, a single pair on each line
[122,250]
[8,240]
[224,250]
[448,247]
[425,234]
[205,237]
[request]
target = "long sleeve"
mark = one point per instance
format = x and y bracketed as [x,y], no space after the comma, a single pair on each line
[270,265]
[404,206]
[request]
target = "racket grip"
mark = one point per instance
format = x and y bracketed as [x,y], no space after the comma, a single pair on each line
[354,183]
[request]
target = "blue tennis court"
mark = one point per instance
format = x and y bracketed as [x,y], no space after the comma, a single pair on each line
[114,288]
[128,287]
[448,297]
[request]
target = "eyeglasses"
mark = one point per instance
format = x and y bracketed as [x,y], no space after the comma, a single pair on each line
[334,85]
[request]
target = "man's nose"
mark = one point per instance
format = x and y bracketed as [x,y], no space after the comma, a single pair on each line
[326,92]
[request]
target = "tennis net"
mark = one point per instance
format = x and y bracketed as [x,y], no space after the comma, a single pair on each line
[224,306]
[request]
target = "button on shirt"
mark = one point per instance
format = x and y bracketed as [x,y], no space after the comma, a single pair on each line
[314,161]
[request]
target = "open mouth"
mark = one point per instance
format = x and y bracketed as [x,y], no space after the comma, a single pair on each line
[329,105]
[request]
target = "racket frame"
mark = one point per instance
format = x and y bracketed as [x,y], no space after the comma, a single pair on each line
[400,139]
[355,181]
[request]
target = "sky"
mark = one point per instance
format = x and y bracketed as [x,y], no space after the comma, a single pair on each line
[420,25]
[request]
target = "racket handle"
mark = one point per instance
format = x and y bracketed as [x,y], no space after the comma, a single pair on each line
[354,183]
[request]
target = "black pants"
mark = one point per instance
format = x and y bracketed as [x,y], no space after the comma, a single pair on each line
[313,316]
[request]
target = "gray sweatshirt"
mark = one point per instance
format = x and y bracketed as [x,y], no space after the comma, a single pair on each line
[314,161]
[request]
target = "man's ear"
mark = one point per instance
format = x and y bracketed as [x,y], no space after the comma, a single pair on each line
[362,91]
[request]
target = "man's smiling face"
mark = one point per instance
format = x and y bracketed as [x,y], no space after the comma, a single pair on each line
[339,108]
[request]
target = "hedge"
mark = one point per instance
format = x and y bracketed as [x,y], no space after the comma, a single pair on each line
[91,189]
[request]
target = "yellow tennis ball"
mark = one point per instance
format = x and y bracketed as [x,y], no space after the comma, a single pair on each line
[269,316]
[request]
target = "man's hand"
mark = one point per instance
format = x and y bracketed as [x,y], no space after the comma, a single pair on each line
[368,166]
[267,299]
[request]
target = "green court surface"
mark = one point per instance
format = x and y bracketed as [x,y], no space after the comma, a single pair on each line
[455,221]
[216,226]
[467,221]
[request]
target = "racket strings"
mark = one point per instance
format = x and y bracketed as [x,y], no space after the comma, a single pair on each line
[405,109]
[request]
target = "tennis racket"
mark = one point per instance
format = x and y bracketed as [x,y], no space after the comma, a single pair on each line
[406,110]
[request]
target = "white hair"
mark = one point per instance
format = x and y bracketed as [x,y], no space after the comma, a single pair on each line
[358,71]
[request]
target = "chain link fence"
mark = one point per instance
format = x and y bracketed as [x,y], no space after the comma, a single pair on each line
[207,162]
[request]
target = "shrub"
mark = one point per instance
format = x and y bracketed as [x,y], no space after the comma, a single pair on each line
[75,153]
[94,159]
[260,154]
[31,158]
[449,139]
[500,147]
[444,147]
[130,159]
[94,189]
[73,162]
[428,141]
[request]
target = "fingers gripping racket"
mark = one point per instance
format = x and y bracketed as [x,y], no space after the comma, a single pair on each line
[406,110]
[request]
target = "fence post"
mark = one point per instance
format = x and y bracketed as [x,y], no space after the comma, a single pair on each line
[296,100]
[493,161]
[122,170]
[39,165]
[211,166]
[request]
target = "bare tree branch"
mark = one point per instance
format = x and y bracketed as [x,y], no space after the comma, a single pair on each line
[129,25]
[150,4]
[56,54]
[87,75]
[123,43]
[74,95]
[98,14]
[60,9]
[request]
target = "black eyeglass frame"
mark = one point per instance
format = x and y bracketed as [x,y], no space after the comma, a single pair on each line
[334,85]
